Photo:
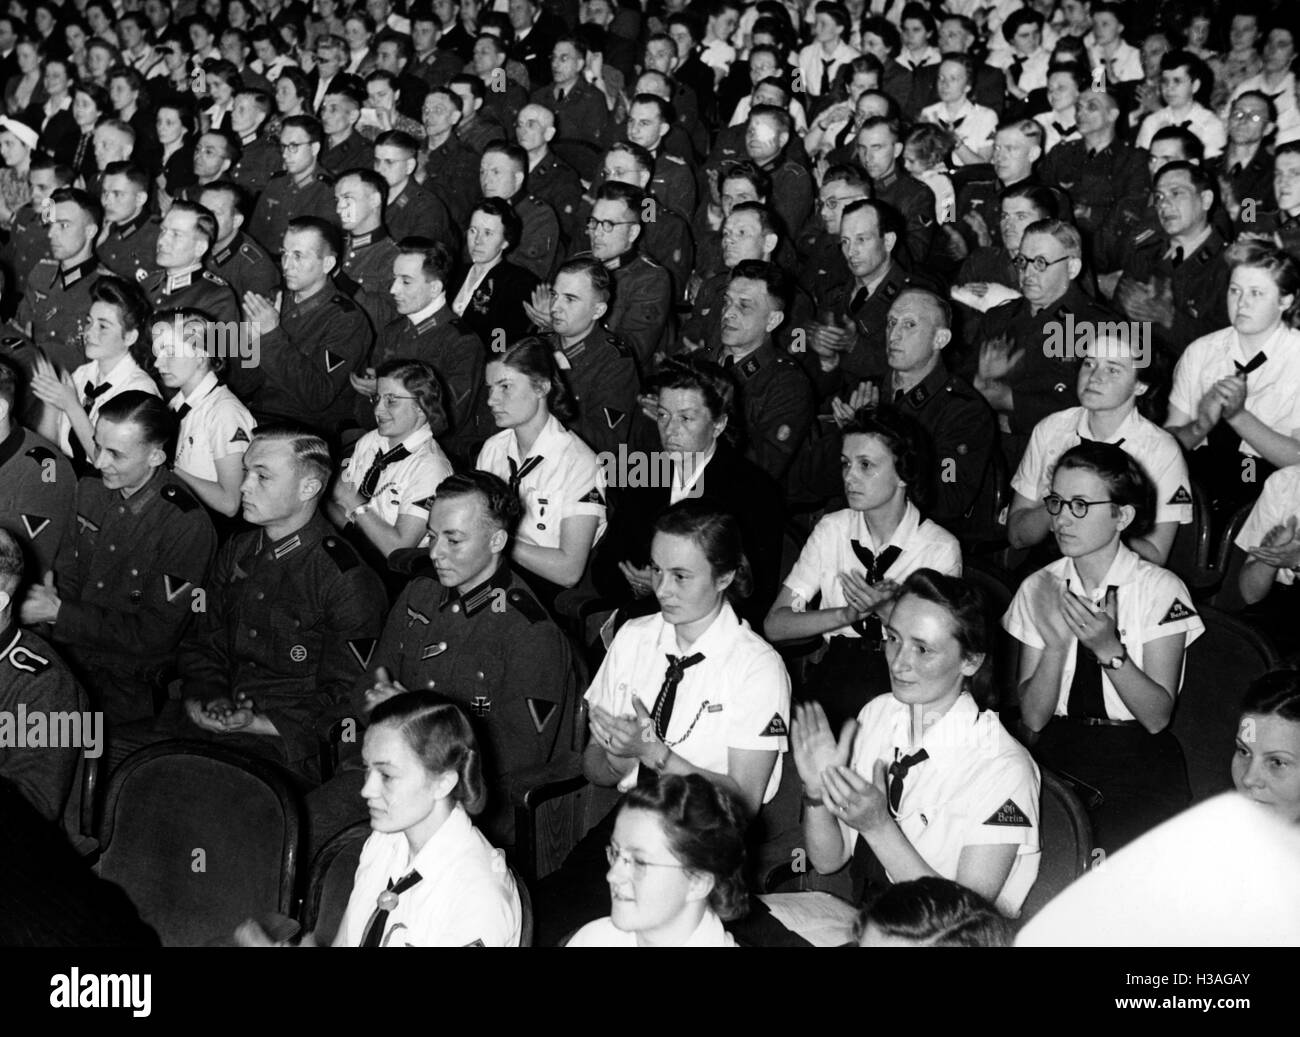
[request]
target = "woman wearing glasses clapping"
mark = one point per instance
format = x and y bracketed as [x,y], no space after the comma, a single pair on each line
[1103,637]
[675,861]
[385,486]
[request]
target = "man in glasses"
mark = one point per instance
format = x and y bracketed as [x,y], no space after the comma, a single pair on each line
[426,329]
[1104,176]
[302,188]
[1017,371]
[818,247]
[1177,277]
[503,171]
[1245,169]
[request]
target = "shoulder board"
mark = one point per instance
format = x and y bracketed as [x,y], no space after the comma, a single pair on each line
[41,454]
[342,301]
[526,604]
[1138,239]
[411,561]
[20,657]
[221,281]
[619,343]
[47,261]
[176,494]
[343,553]
[280,174]
[460,326]
[247,249]
[324,177]
[675,160]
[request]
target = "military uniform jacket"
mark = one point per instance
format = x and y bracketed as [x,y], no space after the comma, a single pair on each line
[1253,181]
[447,345]
[368,264]
[284,199]
[353,152]
[915,203]
[1112,182]
[195,289]
[777,402]
[417,212]
[259,162]
[1041,384]
[451,172]
[1199,285]
[291,623]
[33,675]
[306,361]
[1284,229]
[494,651]
[134,577]
[28,245]
[601,373]
[642,309]
[54,307]
[667,240]
[38,499]
[821,261]
[554,181]
[246,267]
[963,434]
[129,248]
[673,179]
[539,244]
[581,115]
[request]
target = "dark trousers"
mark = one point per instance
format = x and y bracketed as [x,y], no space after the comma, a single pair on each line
[1130,780]
[851,673]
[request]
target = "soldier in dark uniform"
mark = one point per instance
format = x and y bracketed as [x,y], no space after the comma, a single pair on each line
[503,97]
[821,260]
[368,251]
[57,298]
[435,65]
[32,676]
[236,257]
[467,627]
[580,111]
[535,33]
[479,126]
[411,211]
[187,234]
[450,167]
[344,147]
[121,598]
[774,395]
[38,502]
[598,367]
[259,156]
[28,241]
[768,132]
[879,153]
[649,122]
[550,178]
[312,344]
[292,618]
[962,427]
[1023,365]
[300,189]
[1103,176]
[1177,277]
[502,174]
[427,330]
[129,237]
[748,232]
[1245,169]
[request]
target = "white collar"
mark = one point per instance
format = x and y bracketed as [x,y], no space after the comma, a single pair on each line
[907,526]
[440,847]
[698,471]
[207,385]
[413,442]
[1123,569]
[946,732]
[420,316]
[553,434]
[724,624]
[1128,427]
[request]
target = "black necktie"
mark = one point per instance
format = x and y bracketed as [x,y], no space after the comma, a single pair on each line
[386,902]
[83,142]
[1086,698]
[663,711]
[381,461]
[1118,442]
[517,474]
[897,772]
[728,362]
[876,567]
[859,299]
[1017,70]
[1064,131]
[1177,258]
[1253,364]
[1185,124]
[826,77]
[181,411]
[955,124]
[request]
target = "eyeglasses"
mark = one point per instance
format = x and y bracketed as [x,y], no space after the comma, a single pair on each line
[831,204]
[1039,262]
[294,145]
[635,866]
[1238,115]
[607,226]
[388,399]
[1078,506]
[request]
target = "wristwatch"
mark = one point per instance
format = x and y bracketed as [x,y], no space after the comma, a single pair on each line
[1116,661]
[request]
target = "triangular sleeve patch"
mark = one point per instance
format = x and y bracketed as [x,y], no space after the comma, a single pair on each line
[332,362]
[541,711]
[775,726]
[1181,496]
[362,648]
[1176,612]
[1008,815]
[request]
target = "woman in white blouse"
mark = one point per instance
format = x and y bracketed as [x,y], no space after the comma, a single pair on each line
[560,485]
[856,558]
[386,485]
[116,356]
[675,868]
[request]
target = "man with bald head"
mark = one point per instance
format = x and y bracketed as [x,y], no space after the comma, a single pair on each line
[1104,176]
[550,178]
[961,425]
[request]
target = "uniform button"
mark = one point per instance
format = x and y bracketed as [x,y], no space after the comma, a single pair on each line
[455,608]
[135,572]
[252,633]
[99,585]
[260,595]
[479,675]
[121,510]
[112,547]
